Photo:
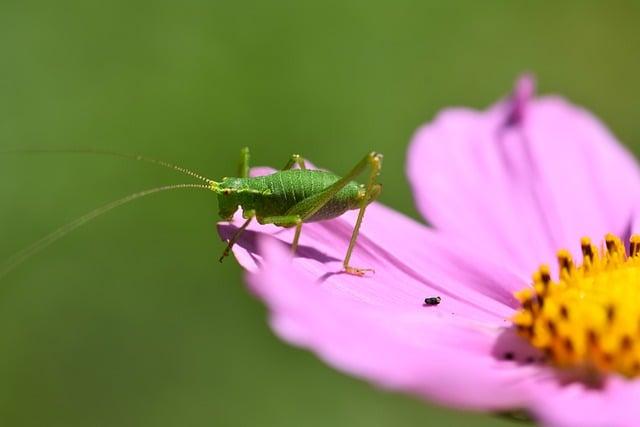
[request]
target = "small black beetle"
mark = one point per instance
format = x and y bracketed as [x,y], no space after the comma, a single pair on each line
[432,301]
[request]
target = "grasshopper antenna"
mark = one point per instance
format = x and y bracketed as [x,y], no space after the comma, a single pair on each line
[20,257]
[138,157]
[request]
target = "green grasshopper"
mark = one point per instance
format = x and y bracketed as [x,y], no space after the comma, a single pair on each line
[291,197]
[287,198]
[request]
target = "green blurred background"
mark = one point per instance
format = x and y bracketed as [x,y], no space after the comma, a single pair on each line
[131,321]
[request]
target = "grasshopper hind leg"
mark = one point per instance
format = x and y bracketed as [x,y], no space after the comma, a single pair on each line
[308,207]
[372,192]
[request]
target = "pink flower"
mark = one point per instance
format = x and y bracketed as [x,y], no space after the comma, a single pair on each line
[504,189]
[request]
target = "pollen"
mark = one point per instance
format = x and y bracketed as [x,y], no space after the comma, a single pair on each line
[588,317]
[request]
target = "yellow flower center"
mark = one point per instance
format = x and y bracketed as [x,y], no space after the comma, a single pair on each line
[588,319]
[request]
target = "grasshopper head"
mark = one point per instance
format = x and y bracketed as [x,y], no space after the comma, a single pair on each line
[227,197]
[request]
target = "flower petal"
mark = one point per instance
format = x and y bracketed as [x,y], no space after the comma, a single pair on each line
[439,357]
[524,178]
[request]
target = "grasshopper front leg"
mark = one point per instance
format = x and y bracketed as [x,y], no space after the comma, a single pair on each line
[249,215]
[244,167]
[243,172]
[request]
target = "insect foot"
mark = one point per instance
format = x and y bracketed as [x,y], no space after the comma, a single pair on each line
[355,271]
